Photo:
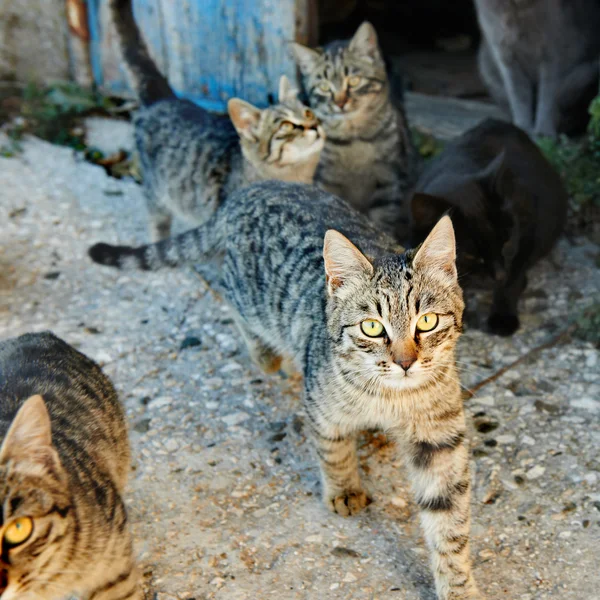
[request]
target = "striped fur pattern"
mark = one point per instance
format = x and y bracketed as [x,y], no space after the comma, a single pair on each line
[190,158]
[302,299]
[64,462]
[368,159]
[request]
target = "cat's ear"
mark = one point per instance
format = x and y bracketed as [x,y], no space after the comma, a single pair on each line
[427,209]
[365,42]
[29,437]
[438,251]
[306,58]
[343,260]
[245,118]
[497,176]
[286,91]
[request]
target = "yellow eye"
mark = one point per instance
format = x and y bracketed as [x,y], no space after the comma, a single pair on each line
[309,114]
[18,531]
[324,86]
[354,80]
[286,126]
[372,328]
[427,322]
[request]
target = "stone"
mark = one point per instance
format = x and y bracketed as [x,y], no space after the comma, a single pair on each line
[535,473]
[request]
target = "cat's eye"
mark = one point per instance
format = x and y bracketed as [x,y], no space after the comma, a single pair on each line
[286,127]
[427,322]
[372,328]
[309,114]
[18,532]
[324,86]
[354,80]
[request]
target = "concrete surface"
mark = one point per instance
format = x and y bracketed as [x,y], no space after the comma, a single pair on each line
[224,492]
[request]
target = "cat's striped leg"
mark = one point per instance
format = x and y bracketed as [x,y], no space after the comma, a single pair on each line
[439,471]
[342,490]
[268,360]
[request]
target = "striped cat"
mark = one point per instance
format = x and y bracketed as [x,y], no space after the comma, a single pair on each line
[64,461]
[368,158]
[190,158]
[373,330]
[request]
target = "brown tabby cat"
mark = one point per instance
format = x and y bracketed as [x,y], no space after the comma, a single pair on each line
[64,461]
[191,159]
[368,159]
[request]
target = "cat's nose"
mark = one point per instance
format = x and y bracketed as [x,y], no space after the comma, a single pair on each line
[341,100]
[405,362]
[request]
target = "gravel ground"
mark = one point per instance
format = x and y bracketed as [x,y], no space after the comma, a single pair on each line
[224,492]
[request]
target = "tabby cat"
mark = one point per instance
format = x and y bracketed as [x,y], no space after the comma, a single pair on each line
[507,203]
[540,59]
[64,461]
[190,158]
[368,158]
[373,330]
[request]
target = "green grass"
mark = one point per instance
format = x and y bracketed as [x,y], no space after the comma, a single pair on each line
[578,162]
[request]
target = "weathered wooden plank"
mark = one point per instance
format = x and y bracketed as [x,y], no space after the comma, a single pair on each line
[446,118]
[108,71]
[210,50]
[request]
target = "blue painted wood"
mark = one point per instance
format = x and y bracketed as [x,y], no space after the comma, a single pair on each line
[210,50]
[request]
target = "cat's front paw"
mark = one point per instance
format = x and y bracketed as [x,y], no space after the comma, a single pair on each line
[503,324]
[347,504]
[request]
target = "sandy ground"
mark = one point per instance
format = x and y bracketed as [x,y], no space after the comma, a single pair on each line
[224,491]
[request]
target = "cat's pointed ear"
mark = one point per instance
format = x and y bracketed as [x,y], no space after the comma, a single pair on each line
[365,42]
[245,118]
[29,435]
[497,176]
[427,209]
[306,58]
[438,251]
[286,91]
[343,260]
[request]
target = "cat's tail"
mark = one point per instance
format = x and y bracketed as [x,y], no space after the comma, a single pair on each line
[147,80]
[193,246]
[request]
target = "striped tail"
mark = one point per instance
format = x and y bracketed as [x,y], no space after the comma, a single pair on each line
[146,79]
[195,245]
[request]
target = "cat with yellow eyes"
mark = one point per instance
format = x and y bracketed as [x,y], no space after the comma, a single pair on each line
[64,460]
[372,328]
[368,158]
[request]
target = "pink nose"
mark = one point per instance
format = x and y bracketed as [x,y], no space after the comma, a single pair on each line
[405,362]
[341,101]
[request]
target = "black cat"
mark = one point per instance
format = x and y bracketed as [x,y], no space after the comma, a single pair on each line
[507,204]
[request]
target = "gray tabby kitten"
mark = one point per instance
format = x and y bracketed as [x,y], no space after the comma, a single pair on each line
[372,329]
[539,59]
[368,159]
[191,159]
[64,462]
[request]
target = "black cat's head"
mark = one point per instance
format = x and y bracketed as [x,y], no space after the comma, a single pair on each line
[482,210]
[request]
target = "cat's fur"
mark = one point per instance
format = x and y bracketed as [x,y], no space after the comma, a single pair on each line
[368,159]
[507,203]
[540,59]
[301,289]
[64,462]
[191,158]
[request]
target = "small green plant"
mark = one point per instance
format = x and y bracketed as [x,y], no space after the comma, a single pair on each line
[427,145]
[578,162]
[587,324]
[594,127]
[53,112]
